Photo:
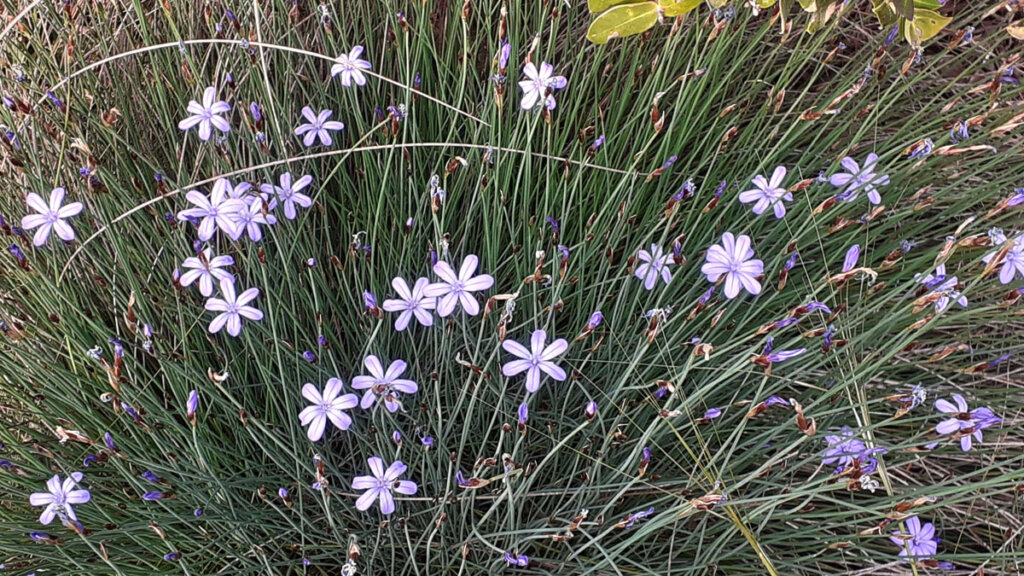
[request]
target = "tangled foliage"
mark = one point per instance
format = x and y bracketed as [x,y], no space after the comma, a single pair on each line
[436,287]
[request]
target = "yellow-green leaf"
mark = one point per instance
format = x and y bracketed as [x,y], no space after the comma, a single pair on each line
[717,3]
[597,6]
[808,5]
[927,4]
[673,8]
[623,21]
[1017,31]
[884,13]
[763,4]
[904,8]
[925,25]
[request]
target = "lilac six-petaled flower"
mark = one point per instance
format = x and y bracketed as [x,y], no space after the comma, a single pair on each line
[539,358]
[381,484]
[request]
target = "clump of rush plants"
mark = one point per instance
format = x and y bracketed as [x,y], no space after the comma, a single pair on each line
[444,288]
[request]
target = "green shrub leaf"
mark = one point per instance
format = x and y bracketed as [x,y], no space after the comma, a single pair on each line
[623,21]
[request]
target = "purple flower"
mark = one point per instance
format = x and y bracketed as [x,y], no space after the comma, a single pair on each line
[153,496]
[318,126]
[351,67]
[857,178]
[1013,262]
[964,422]
[533,361]
[59,497]
[382,384]
[515,559]
[536,87]
[329,405]
[289,193]
[653,264]
[843,448]
[411,303]
[454,289]
[50,216]
[776,401]
[768,193]
[852,255]
[919,541]
[712,413]
[232,308]
[217,211]
[249,220]
[381,485]
[733,259]
[206,269]
[207,114]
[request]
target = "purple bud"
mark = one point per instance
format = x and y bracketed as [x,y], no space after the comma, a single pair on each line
[783,355]
[129,410]
[308,356]
[460,479]
[321,341]
[433,257]
[416,80]
[118,347]
[645,455]
[9,103]
[791,261]
[39,536]
[595,320]
[153,496]
[524,414]
[109,441]
[814,306]
[231,15]
[396,436]
[171,556]
[520,560]
[769,344]
[706,296]
[553,223]
[56,101]
[192,404]
[369,300]
[254,109]
[850,262]
[1017,198]
[786,322]
[282,492]
[428,442]
[149,475]
[590,410]
[668,163]
[564,252]
[999,360]
[311,262]
[197,512]
[147,330]
[776,401]
[503,55]
[826,338]
[892,35]
[712,413]
[598,143]
[721,189]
